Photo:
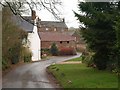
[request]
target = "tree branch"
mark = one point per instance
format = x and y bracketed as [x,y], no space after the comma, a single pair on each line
[16,6]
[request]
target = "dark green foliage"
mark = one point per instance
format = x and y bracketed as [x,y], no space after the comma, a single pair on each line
[99,33]
[14,53]
[100,59]
[27,58]
[88,59]
[4,64]
[26,54]
[117,28]
[45,51]
[54,49]
[12,37]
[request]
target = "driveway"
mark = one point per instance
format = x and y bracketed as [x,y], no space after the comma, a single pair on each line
[32,75]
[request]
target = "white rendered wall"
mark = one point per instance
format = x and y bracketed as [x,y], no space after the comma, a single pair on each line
[35,44]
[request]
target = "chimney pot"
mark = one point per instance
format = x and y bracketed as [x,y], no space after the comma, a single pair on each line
[33,15]
[63,19]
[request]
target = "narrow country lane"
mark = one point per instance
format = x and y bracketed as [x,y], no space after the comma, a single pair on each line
[32,75]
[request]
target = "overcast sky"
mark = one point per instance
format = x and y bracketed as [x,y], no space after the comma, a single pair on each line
[67,13]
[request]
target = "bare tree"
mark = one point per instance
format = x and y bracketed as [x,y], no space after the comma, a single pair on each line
[23,6]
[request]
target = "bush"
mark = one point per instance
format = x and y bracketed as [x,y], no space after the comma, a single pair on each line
[88,59]
[54,50]
[27,58]
[26,54]
[67,51]
[100,59]
[14,53]
[12,37]
[45,51]
[4,64]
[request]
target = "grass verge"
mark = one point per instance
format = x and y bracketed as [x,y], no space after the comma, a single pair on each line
[80,76]
[75,59]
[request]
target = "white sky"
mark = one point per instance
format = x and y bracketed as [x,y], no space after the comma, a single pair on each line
[67,13]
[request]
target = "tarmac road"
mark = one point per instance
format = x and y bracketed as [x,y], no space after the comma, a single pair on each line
[32,75]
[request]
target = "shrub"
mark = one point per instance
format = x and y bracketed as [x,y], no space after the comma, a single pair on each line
[101,62]
[67,51]
[27,58]
[88,59]
[4,64]
[12,37]
[26,54]
[45,51]
[14,53]
[54,50]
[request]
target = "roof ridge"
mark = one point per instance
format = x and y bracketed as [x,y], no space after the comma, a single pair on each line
[53,21]
[56,36]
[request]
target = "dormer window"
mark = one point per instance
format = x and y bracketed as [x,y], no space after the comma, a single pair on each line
[55,29]
[67,41]
[60,42]
[47,29]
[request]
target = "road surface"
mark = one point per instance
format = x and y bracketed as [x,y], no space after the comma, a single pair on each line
[32,75]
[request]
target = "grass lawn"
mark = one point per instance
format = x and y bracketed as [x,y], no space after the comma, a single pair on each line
[75,59]
[80,76]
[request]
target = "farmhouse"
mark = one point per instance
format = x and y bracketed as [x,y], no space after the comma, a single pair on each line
[52,26]
[61,40]
[54,32]
[28,23]
[42,34]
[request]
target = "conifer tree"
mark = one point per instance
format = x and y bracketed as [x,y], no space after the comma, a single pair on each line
[99,33]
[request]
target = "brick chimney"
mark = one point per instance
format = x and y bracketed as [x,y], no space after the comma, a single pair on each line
[33,14]
[39,19]
[63,20]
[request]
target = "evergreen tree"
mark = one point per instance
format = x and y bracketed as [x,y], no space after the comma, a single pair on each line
[54,49]
[117,28]
[99,33]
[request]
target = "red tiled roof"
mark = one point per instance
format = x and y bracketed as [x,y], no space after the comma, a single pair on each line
[55,36]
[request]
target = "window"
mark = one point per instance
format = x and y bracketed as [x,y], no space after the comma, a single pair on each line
[46,29]
[55,29]
[60,42]
[67,41]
